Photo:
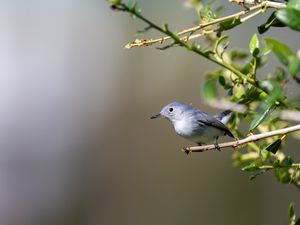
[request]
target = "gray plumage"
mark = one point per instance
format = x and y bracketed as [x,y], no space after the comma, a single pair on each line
[195,125]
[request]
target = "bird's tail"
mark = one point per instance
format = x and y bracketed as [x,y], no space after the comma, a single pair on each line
[224,116]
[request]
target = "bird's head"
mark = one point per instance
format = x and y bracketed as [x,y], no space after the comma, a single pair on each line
[173,111]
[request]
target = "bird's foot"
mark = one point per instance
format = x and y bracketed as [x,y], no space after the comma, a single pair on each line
[186,150]
[217,146]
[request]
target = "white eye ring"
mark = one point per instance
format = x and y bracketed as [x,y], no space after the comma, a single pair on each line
[171,109]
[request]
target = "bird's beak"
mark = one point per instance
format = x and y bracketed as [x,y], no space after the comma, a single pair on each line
[155,116]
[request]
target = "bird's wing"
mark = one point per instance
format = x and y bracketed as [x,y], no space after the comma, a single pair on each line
[212,121]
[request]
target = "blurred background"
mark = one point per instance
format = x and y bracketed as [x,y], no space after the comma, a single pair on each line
[76,143]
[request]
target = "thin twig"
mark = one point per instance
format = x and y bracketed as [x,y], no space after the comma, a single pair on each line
[244,19]
[268,167]
[261,6]
[140,43]
[194,49]
[237,143]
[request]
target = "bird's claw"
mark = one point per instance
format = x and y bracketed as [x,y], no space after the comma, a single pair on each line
[217,146]
[186,150]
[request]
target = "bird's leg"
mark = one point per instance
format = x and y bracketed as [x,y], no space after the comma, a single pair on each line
[186,150]
[216,144]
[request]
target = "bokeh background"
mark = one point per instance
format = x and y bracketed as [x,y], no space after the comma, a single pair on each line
[76,143]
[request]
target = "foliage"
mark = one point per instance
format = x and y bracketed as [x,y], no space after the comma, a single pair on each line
[237,75]
[292,216]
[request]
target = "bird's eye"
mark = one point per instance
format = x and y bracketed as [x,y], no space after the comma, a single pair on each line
[171,109]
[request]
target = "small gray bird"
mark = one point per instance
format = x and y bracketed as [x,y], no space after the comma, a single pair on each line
[195,125]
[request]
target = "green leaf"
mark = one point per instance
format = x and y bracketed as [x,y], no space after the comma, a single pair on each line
[280,74]
[115,2]
[207,13]
[251,168]
[273,147]
[295,4]
[292,215]
[209,90]
[254,45]
[268,105]
[229,24]
[260,118]
[271,22]
[237,54]
[238,91]
[222,80]
[251,95]
[282,169]
[283,175]
[290,17]
[291,212]
[282,51]
[266,50]
[130,3]
[285,55]
[294,65]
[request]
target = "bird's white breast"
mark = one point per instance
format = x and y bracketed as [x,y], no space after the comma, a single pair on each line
[195,132]
[183,127]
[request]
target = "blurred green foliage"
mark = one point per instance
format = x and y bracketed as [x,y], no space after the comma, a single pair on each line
[292,216]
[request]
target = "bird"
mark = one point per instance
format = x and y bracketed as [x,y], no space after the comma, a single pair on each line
[195,125]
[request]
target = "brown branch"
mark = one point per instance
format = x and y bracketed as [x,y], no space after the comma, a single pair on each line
[261,6]
[237,143]
[145,42]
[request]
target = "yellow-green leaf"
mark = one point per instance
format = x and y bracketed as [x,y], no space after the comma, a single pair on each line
[254,45]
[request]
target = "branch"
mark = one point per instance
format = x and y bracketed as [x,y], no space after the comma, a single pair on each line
[237,143]
[145,42]
[261,6]
[268,167]
[183,41]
